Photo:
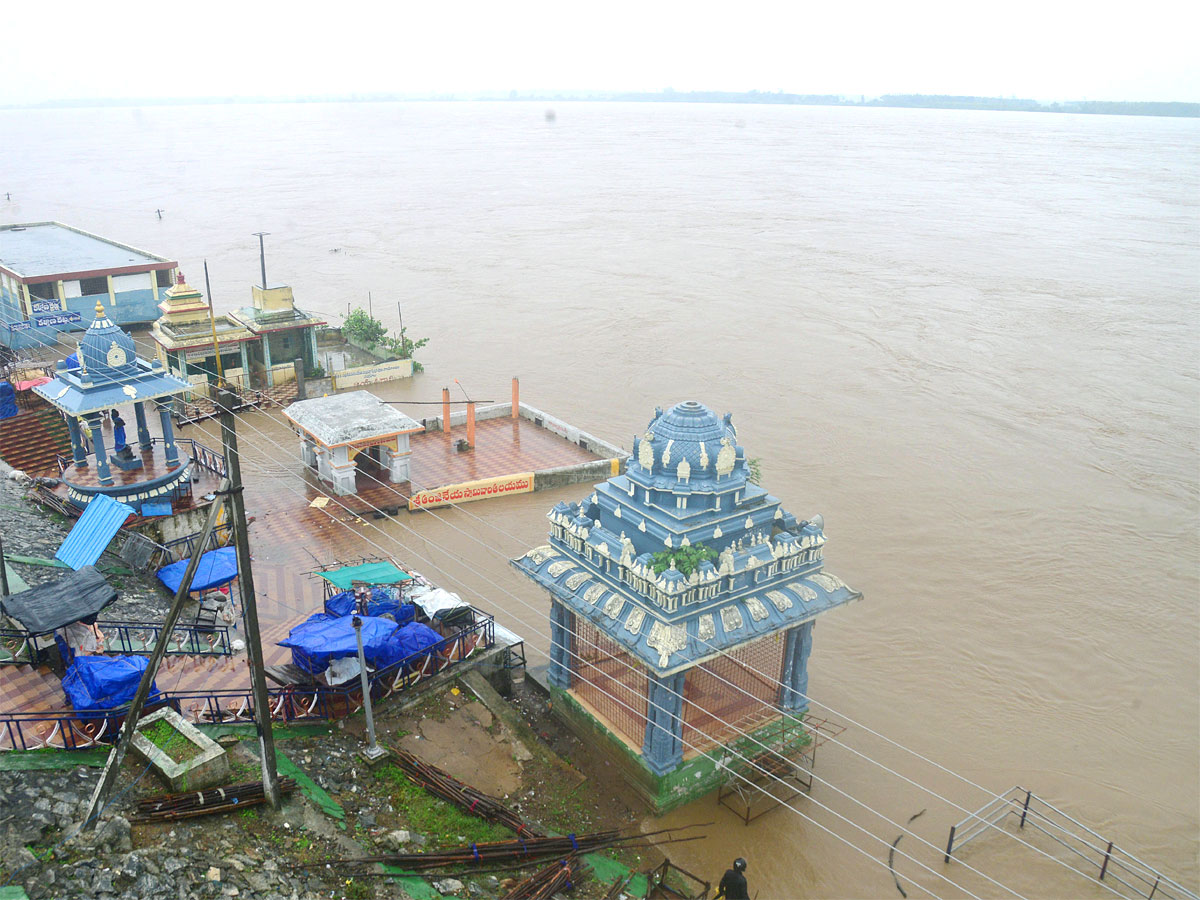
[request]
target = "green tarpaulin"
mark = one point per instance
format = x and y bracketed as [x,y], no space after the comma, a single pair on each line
[369,573]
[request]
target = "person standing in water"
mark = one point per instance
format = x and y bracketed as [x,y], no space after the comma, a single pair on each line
[733,883]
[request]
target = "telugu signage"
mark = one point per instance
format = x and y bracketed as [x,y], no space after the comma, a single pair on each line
[472,490]
[57,319]
[20,326]
[45,306]
[387,371]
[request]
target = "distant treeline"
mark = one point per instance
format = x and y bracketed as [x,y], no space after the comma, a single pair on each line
[913,101]
[921,101]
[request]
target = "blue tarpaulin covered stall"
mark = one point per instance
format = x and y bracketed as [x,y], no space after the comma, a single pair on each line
[380,604]
[8,400]
[320,638]
[105,682]
[217,567]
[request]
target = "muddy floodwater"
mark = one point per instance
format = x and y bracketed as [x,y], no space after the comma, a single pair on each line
[968,339]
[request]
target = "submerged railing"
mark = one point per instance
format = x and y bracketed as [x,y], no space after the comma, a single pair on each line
[1125,874]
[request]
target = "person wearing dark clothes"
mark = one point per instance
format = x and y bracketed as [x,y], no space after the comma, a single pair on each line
[733,883]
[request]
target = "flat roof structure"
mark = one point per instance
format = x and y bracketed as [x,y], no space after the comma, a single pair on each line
[344,419]
[40,251]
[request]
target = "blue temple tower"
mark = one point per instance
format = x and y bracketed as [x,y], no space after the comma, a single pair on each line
[669,665]
[106,374]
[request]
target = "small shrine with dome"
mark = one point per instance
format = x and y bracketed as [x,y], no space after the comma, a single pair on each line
[103,375]
[683,598]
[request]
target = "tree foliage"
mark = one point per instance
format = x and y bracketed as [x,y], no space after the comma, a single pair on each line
[686,558]
[362,327]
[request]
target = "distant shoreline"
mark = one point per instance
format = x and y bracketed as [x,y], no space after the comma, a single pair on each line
[888,101]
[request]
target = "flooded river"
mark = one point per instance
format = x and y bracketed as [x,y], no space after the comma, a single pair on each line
[968,339]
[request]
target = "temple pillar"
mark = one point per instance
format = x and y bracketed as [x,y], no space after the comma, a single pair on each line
[308,452]
[245,365]
[396,461]
[342,470]
[143,433]
[266,345]
[170,450]
[98,448]
[561,635]
[663,746]
[78,453]
[793,689]
[323,463]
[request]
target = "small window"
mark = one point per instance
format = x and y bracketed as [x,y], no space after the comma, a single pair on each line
[89,287]
[43,291]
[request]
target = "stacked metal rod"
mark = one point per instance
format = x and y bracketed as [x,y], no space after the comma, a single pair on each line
[445,786]
[562,874]
[523,850]
[167,807]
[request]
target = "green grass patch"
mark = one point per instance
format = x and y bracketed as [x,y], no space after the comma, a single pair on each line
[171,742]
[440,822]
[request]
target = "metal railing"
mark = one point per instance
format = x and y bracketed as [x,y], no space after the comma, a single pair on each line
[299,702]
[202,456]
[138,638]
[1127,875]
[189,640]
[80,729]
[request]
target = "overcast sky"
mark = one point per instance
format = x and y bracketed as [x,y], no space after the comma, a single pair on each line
[1044,50]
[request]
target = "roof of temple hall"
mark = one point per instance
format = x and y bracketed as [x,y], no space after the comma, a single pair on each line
[108,373]
[687,483]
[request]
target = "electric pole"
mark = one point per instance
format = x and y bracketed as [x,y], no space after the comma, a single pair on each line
[258,679]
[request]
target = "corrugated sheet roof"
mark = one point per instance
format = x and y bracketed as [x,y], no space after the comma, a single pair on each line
[93,532]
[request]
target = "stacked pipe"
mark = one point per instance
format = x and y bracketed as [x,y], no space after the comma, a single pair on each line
[562,874]
[168,807]
[524,850]
[446,787]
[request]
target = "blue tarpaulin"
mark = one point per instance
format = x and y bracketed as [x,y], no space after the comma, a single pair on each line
[320,638]
[217,567]
[380,604]
[8,400]
[93,532]
[105,682]
[405,642]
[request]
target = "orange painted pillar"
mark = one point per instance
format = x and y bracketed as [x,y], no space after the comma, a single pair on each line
[516,404]
[446,410]
[471,422]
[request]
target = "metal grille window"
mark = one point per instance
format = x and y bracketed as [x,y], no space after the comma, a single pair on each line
[611,682]
[727,695]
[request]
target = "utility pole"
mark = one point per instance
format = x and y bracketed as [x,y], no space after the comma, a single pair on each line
[262,255]
[258,679]
[117,754]
[3,572]
[213,322]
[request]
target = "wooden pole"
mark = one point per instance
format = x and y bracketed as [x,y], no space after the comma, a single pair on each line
[445,410]
[516,400]
[471,423]
[258,679]
[117,754]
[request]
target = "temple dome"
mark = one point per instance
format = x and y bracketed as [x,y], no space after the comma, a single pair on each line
[107,352]
[688,443]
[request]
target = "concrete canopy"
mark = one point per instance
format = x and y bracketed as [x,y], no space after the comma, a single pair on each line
[352,418]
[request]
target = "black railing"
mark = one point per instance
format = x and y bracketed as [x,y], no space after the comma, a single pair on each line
[138,638]
[79,729]
[200,455]
[1125,874]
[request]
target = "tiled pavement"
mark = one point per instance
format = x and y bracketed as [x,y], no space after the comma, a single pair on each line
[289,538]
